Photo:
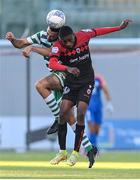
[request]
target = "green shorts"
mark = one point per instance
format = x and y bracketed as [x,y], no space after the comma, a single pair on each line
[61,76]
[58,93]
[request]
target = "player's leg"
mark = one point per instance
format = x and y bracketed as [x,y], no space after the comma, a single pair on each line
[85,141]
[84,96]
[94,131]
[60,76]
[82,99]
[81,109]
[65,107]
[94,125]
[90,119]
[45,87]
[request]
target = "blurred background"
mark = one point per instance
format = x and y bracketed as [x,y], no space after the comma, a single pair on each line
[18,15]
[24,117]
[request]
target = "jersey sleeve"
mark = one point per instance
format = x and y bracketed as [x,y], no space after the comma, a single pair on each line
[106,30]
[54,58]
[56,50]
[35,38]
[88,33]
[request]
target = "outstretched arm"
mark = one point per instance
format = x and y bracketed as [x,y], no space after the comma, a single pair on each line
[106,92]
[17,43]
[40,50]
[106,30]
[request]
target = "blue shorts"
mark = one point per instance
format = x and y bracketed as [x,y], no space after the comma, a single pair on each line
[94,116]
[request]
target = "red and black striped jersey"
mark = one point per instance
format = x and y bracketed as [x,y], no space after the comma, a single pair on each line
[78,56]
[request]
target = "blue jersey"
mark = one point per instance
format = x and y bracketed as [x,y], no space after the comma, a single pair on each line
[96,99]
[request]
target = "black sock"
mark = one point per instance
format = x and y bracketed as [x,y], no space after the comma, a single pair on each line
[78,136]
[62,132]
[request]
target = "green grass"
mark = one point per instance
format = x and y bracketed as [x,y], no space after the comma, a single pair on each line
[110,165]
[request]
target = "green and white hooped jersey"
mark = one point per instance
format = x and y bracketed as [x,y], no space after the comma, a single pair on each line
[40,38]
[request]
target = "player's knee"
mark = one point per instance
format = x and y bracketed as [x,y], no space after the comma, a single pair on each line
[38,86]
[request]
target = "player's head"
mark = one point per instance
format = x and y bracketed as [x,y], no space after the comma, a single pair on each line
[67,36]
[55,19]
[52,34]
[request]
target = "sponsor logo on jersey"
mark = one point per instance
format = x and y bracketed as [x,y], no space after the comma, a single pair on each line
[87,30]
[55,50]
[78,50]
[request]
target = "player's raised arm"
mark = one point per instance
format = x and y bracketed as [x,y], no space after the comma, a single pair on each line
[90,33]
[17,43]
[107,30]
[40,50]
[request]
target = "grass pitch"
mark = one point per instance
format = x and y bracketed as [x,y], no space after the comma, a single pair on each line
[110,165]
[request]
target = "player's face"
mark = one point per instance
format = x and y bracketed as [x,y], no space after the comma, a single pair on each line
[69,41]
[51,35]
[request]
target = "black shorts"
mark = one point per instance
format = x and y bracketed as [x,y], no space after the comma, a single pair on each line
[75,95]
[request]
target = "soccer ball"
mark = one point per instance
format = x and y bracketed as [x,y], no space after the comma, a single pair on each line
[55,19]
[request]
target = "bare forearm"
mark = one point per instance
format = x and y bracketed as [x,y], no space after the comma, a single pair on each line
[41,51]
[20,43]
[107,94]
[17,43]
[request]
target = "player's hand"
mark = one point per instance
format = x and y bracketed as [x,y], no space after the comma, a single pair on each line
[109,107]
[125,23]
[73,70]
[10,36]
[26,51]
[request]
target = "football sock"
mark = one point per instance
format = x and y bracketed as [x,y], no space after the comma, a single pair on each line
[78,136]
[53,105]
[62,132]
[85,141]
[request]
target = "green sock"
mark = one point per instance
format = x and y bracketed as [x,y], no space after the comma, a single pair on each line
[86,143]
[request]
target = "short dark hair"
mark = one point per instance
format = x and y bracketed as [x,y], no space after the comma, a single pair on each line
[54,29]
[65,31]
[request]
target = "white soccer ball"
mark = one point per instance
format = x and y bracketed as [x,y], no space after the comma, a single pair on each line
[55,19]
